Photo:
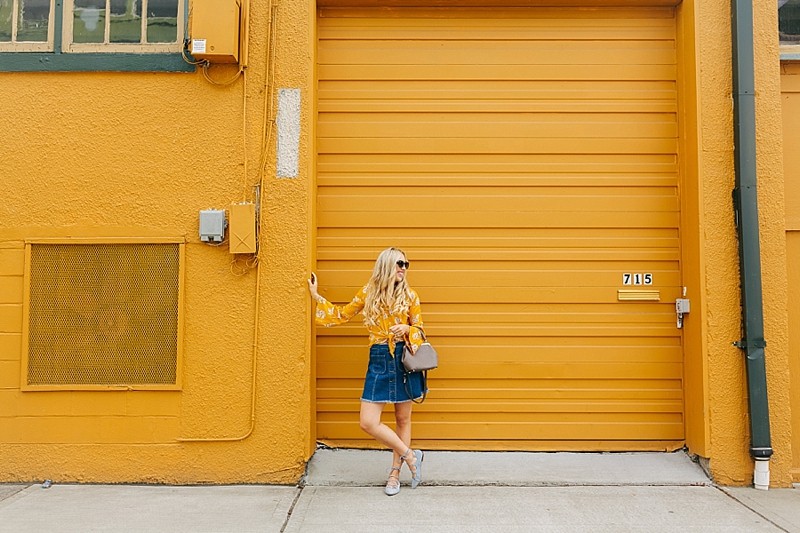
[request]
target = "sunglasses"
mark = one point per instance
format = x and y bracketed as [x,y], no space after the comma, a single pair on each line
[403,264]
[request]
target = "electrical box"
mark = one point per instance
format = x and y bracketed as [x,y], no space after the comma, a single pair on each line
[215,30]
[243,229]
[212,225]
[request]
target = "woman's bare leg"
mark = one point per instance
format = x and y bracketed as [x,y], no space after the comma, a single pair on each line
[370,420]
[402,418]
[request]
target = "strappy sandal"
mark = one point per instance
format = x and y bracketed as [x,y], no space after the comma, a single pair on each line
[416,473]
[393,483]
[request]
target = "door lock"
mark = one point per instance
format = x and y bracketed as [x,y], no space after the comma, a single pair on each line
[681,308]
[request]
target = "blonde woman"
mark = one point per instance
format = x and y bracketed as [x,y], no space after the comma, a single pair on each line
[392,315]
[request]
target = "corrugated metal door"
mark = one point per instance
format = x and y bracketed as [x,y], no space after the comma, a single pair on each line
[526,162]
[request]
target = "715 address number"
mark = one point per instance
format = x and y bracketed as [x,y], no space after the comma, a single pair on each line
[637,278]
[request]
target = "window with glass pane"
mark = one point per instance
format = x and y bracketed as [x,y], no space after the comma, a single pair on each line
[89,24]
[93,26]
[6,9]
[125,21]
[24,21]
[125,24]
[162,21]
[33,17]
[789,21]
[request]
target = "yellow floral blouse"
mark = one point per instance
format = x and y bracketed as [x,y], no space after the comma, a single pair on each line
[329,314]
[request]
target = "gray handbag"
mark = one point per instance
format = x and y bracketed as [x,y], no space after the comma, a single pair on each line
[425,358]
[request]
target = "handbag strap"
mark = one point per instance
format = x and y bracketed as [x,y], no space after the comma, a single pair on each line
[424,375]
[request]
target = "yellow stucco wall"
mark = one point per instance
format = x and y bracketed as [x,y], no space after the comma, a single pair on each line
[97,154]
[728,417]
[139,154]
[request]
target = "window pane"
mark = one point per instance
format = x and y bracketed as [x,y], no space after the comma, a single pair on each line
[6,8]
[789,21]
[32,20]
[89,25]
[162,21]
[126,21]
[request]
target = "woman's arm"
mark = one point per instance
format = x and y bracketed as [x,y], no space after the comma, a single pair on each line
[416,335]
[329,314]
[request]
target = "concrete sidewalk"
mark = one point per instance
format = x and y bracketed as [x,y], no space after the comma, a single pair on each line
[463,492]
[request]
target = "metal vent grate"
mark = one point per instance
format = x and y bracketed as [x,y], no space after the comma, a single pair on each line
[103,314]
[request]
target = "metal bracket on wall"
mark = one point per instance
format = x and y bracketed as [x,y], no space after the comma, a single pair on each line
[756,343]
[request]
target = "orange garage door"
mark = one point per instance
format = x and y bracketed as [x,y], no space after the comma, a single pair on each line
[526,161]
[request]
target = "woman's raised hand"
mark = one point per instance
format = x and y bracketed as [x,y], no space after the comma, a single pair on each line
[312,285]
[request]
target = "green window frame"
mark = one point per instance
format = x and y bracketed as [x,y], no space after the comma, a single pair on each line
[93,35]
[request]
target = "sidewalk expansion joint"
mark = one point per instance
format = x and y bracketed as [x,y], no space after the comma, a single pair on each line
[12,493]
[300,486]
[17,494]
[743,504]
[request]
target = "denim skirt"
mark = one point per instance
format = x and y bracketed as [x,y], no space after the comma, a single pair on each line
[384,382]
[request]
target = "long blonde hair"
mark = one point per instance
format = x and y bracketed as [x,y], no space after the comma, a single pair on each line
[384,293]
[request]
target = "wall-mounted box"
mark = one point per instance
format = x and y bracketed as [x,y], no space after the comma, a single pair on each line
[243,228]
[215,29]
[212,225]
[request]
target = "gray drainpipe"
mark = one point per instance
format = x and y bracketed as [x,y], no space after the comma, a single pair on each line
[746,212]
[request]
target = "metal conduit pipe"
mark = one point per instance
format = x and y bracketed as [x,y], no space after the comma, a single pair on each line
[746,212]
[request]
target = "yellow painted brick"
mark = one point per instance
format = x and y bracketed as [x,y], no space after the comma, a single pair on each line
[134,430]
[153,403]
[155,429]
[11,289]
[42,403]
[10,318]
[10,346]
[66,403]
[14,402]
[88,430]
[49,430]
[96,403]
[12,262]
[163,429]
[9,402]
[9,429]
[9,375]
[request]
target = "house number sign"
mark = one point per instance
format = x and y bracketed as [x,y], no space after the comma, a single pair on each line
[637,278]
